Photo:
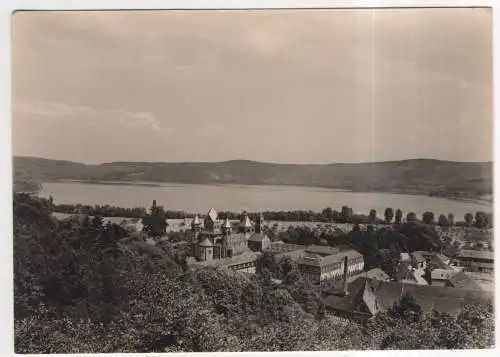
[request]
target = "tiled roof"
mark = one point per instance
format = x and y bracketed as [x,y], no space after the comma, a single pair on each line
[476,254]
[257,237]
[206,243]
[439,298]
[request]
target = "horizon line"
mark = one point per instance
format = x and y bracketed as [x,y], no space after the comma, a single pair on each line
[255,161]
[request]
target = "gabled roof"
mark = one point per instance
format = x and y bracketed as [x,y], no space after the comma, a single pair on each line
[439,298]
[212,214]
[376,273]
[246,223]
[227,224]
[257,237]
[369,299]
[196,220]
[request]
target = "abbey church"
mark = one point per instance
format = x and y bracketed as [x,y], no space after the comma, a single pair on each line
[217,239]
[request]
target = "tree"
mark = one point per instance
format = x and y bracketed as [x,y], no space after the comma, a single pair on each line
[443,221]
[481,220]
[389,215]
[398,216]
[327,214]
[428,217]
[451,219]
[346,214]
[411,217]
[468,217]
[407,308]
[372,216]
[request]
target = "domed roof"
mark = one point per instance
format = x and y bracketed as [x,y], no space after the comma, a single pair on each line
[206,243]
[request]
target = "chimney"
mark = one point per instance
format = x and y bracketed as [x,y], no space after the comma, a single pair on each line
[346,290]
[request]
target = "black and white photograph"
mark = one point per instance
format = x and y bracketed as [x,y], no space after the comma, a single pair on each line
[252,180]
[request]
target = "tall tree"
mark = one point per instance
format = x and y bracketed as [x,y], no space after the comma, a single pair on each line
[389,215]
[411,217]
[398,216]
[451,219]
[469,218]
[428,217]
[443,221]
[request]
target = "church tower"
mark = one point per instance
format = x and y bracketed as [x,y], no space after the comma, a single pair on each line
[259,224]
[226,239]
[245,223]
[196,227]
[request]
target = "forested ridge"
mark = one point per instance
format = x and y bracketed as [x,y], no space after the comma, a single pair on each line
[417,176]
[81,286]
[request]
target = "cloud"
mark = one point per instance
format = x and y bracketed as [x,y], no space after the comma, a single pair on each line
[53,111]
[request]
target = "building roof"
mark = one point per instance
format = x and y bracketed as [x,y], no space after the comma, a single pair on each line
[227,224]
[246,223]
[476,254]
[439,298]
[257,237]
[212,214]
[442,274]
[315,259]
[418,256]
[206,243]
[376,273]
[462,280]
[196,220]
[321,249]
[369,299]
[405,256]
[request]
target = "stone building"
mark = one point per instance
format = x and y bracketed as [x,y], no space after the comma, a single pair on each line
[220,242]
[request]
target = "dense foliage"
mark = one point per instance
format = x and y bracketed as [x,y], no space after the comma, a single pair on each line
[84,287]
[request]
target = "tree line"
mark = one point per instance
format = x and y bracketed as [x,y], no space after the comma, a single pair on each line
[328,215]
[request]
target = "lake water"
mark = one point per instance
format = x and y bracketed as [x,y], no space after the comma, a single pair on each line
[199,198]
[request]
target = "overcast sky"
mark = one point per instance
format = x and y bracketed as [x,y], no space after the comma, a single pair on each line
[290,86]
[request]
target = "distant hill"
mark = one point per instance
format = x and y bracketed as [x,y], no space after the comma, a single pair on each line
[417,176]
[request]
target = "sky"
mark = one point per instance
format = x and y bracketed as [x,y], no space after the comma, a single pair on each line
[284,86]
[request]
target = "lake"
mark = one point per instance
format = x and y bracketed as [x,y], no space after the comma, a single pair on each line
[199,198]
